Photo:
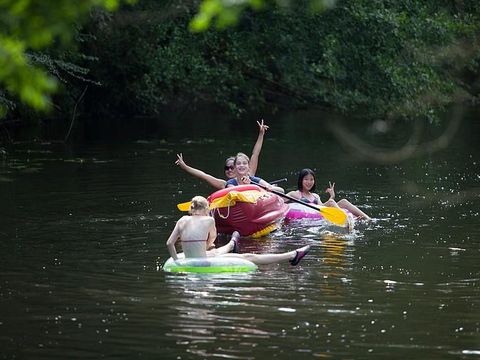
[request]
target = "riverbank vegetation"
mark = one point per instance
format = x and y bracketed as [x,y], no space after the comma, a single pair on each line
[374,59]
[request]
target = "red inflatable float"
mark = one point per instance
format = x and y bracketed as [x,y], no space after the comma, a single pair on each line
[247,209]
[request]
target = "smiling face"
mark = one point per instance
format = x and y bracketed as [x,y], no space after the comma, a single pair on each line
[242,167]
[308,182]
[230,168]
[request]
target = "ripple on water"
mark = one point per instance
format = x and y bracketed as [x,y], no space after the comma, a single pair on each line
[80,238]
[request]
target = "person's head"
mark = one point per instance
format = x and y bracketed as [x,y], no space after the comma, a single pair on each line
[242,164]
[306,180]
[199,206]
[230,167]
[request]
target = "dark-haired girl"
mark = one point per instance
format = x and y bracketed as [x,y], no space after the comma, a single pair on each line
[306,193]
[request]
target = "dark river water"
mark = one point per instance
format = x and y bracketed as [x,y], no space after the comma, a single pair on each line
[83,231]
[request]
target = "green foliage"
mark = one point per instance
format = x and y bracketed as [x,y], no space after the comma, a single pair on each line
[225,13]
[28,26]
[375,58]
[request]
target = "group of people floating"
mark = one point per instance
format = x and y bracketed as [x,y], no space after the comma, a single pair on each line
[197,231]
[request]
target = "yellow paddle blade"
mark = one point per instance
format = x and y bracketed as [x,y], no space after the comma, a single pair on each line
[215,204]
[184,206]
[334,215]
[227,200]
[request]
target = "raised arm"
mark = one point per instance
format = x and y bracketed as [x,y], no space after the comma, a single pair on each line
[331,190]
[262,128]
[213,181]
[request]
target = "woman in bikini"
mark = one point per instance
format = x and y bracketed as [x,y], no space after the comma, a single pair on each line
[197,232]
[229,167]
[306,192]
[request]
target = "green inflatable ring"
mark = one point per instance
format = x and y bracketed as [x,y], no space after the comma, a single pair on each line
[217,264]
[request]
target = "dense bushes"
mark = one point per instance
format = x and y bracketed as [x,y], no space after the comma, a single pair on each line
[375,58]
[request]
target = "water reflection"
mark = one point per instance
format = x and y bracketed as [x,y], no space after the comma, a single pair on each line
[81,231]
[239,314]
[212,309]
[334,252]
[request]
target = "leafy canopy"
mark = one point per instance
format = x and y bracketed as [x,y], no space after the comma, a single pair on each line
[225,13]
[28,25]
[375,58]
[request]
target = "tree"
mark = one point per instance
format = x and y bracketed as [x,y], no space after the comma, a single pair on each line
[379,59]
[28,26]
[224,13]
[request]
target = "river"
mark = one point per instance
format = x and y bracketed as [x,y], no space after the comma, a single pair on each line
[83,231]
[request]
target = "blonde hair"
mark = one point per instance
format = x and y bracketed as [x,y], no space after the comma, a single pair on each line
[199,205]
[239,155]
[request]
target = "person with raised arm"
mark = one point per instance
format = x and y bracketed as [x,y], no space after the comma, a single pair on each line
[306,193]
[228,167]
[243,175]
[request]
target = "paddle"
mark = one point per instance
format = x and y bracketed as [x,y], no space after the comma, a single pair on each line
[277,181]
[186,205]
[334,215]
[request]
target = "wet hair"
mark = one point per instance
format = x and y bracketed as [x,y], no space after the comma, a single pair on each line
[239,155]
[301,175]
[199,204]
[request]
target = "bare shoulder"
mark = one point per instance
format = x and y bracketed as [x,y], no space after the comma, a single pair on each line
[184,218]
